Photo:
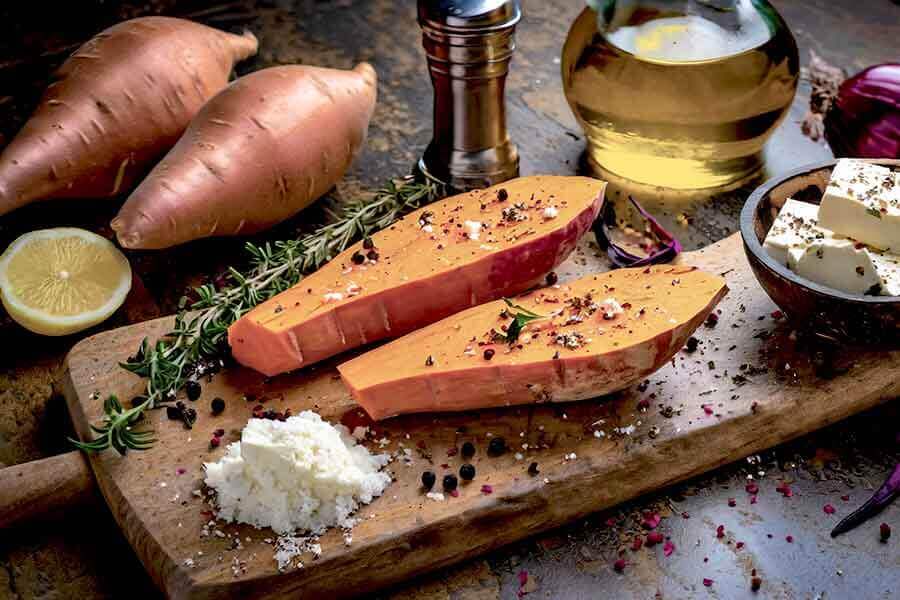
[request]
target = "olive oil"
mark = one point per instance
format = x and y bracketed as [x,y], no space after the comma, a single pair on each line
[679,94]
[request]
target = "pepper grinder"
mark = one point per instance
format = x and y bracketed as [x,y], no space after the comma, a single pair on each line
[469,44]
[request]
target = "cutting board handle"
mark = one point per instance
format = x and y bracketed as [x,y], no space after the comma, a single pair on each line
[43,487]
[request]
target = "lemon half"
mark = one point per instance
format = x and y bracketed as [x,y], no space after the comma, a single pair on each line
[60,281]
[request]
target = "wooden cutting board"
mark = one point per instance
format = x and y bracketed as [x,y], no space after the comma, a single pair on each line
[746,388]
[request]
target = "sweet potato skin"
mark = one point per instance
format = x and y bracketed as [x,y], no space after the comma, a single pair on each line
[115,106]
[620,352]
[259,152]
[264,341]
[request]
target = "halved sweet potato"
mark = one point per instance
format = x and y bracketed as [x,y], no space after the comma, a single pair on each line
[453,254]
[597,335]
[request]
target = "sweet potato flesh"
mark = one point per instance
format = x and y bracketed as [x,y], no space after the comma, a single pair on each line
[599,334]
[448,256]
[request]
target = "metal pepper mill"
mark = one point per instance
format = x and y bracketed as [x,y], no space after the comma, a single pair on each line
[469,44]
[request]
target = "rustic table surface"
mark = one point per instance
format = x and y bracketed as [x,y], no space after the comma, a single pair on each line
[81,554]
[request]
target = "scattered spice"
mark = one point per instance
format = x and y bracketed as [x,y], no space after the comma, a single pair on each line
[651,520]
[785,490]
[489,354]
[691,345]
[192,390]
[884,531]
[214,442]
[637,543]
[217,406]
[468,450]
[552,278]
[487,490]
[732,502]
[707,582]
[789,539]
[429,362]
[533,469]
[467,472]
[620,565]
[752,488]
[720,531]
[502,194]
[756,583]
[496,447]
[450,482]
[829,509]
[428,480]
[654,538]
[668,548]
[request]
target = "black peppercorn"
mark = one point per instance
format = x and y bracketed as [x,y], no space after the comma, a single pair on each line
[192,389]
[218,405]
[173,412]
[496,446]
[552,278]
[692,343]
[468,450]
[450,482]
[533,469]
[467,472]
[502,194]
[428,479]
[358,258]
[372,255]
[489,354]
[368,244]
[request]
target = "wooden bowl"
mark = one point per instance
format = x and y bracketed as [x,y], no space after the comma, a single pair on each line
[821,310]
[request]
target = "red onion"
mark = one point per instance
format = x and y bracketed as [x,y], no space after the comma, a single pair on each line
[662,246]
[864,118]
[889,490]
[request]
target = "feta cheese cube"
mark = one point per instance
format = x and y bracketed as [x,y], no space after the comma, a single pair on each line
[841,264]
[888,268]
[862,201]
[796,226]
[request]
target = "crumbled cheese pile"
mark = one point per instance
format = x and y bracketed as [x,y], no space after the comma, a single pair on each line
[298,474]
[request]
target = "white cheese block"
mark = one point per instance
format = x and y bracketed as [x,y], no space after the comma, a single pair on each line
[888,267]
[795,227]
[862,201]
[841,264]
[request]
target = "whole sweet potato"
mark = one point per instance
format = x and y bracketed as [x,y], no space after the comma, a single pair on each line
[115,106]
[260,151]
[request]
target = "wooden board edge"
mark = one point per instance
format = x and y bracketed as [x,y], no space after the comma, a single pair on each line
[163,571]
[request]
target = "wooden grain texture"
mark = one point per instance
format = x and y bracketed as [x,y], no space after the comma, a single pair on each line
[746,388]
[33,490]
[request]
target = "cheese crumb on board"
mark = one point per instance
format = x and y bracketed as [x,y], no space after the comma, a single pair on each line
[301,474]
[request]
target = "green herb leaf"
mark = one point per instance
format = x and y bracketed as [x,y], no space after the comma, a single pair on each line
[521,317]
[199,336]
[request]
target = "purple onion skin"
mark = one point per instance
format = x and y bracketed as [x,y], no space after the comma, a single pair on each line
[619,256]
[864,121]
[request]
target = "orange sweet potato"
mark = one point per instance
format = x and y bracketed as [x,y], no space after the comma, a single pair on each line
[116,105]
[600,334]
[264,148]
[451,255]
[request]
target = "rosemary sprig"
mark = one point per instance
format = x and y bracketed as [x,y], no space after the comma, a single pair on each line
[199,336]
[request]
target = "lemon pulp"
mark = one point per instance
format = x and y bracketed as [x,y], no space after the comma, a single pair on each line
[60,281]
